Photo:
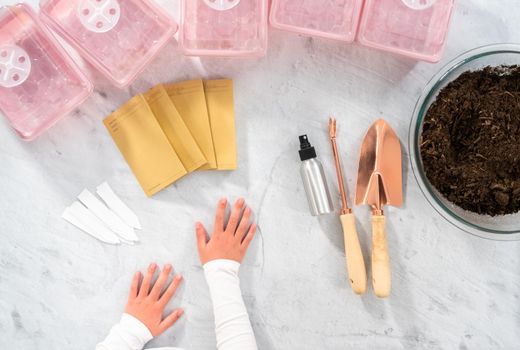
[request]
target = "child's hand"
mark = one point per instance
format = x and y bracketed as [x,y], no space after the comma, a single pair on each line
[146,302]
[227,242]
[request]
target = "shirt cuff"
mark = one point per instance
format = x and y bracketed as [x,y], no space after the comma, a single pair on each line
[135,328]
[222,264]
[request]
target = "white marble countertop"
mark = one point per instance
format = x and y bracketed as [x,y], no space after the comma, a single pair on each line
[61,289]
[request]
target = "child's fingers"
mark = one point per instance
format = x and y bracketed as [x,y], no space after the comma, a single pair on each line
[161,281]
[235,216]
[250,235]
[202,236]
[244,224]
[145,286]
[134,286]
[170,320]
[170,291]
[221,213]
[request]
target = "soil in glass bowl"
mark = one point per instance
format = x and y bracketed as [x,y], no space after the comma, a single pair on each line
[470,142]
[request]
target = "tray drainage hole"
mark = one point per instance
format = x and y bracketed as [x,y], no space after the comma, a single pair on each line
[16,77]
[3,53]
[85,12]
[112,12]
[21,59]
[99,24]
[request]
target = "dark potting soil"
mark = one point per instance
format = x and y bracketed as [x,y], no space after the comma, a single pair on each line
[470,143]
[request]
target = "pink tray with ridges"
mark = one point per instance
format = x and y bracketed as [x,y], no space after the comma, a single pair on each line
[39,82]
[414,28]
[224,27]
[118,37]
[332,19]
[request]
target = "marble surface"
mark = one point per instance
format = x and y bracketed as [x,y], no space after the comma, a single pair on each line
[61,289]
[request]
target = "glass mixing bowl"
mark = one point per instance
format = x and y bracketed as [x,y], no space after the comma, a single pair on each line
[506,227]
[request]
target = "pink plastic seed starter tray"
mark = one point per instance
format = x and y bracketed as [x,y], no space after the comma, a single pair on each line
[414,28]
[118,37]
[39,82]
[332,19]
[224,27]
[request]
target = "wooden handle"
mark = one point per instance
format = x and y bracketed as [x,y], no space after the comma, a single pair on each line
[355,262]
[381,274]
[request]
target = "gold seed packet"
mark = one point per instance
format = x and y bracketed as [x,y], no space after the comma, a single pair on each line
[188,97]
[219,100]
[144,145]
[175,129]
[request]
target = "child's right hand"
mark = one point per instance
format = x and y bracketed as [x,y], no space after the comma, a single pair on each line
[228,241]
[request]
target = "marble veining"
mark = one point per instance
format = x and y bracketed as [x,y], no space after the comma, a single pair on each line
[61,289]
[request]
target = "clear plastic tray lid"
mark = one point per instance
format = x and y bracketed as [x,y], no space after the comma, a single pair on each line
[414,28]
[224,27]
[39,82]
[333,19]
[118,37]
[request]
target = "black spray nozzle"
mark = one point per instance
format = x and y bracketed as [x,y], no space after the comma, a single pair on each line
[306,150]
[304,142]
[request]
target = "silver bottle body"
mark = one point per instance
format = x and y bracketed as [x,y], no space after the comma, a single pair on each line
[316,188]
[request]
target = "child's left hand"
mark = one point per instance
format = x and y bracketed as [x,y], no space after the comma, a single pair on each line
[146,303]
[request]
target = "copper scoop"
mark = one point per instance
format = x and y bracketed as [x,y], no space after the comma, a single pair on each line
[355,262]
[380,183]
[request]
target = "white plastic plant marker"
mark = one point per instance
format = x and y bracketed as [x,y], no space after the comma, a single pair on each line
[68,215]
[113,222]
[419,4]
[222,5]
[117,206]
[78,216]
[87,218]
[15,66]
[99,16]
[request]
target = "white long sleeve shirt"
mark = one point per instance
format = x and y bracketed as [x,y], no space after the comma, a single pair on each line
[232,326]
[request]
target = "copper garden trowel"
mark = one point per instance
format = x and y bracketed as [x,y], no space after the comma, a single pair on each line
[380,183]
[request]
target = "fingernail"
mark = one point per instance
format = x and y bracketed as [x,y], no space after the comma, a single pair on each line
[198,224]
[223,201]
[240,201]
[247,211]
[167,267]
[137,274]
[180,312]
[152,266]
[178,277]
